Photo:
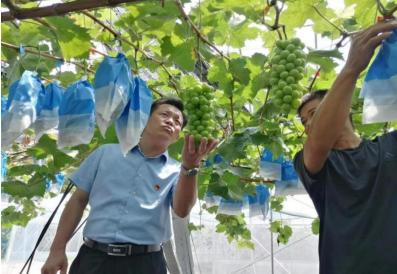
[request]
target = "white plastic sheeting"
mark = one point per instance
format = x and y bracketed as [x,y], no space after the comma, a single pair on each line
[211,252]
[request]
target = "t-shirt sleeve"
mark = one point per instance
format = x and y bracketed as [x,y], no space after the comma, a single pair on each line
[307,179]
[389,144]
[314,184]
[393,135]
[84,177]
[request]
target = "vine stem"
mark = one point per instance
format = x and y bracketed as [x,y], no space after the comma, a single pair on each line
[385,12]
[43,54]
[56,9]
[136,48]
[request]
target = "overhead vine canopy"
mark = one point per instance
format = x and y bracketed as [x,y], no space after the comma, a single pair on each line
[172,43]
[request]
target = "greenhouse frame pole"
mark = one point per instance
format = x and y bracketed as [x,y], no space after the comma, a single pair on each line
[271,243]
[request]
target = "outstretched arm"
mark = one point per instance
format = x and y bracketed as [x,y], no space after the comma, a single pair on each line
[186,189]
[331,115]
[70,218]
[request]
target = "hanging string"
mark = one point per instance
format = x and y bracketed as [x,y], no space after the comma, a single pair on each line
[85,76]
[110,19]
[29,261]
[118,44]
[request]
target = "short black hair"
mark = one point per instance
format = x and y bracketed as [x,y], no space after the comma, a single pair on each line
[308,97]
[169,100]
[316,95]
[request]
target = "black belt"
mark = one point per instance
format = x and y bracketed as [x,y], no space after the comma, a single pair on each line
[121,249]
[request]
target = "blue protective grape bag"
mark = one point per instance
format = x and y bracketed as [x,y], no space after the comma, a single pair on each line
[21,108]
[112,83]
[132,121]
[76,115]
[380,85]
[47,112]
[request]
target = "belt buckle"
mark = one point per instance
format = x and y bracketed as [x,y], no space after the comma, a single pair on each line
[116,250]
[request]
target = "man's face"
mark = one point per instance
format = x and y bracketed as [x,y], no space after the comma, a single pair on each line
[307,113]
[166,122]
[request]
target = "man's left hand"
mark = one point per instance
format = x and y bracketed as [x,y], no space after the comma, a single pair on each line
[192,156]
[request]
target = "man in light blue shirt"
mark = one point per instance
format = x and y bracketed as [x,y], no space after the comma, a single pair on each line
[130,199]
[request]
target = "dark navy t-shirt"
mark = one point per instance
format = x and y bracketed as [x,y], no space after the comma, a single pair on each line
[355,196]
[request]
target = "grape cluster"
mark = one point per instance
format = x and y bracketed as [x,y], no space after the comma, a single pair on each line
[287,68]
[199,102]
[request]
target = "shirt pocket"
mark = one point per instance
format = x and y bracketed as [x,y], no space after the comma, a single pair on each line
[152,189]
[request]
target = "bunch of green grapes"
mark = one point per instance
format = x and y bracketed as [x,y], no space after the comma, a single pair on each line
[287,68]
[199,103]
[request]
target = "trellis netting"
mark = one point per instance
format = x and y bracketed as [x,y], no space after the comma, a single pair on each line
[380,85]
[48,108]
[132,121]
[77,115]
[112,84]
[21,107]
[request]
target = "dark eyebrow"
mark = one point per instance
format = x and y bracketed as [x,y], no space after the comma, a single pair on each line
[174,114]
[179,118]
[313,109]
[310,111]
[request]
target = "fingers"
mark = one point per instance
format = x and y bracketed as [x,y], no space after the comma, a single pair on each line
[364,44]
[203,146]
[186,143]
[375,30]
[212,145]
[64,269]
[385,26]
[206,146]
[377,40]
[189,142]
[44,270]
[47,270]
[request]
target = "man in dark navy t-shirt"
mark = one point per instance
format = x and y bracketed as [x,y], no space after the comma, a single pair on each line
[352,181]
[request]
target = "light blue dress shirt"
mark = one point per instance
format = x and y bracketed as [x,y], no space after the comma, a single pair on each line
[130,197]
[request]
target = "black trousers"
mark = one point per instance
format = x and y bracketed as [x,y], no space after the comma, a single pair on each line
[92,261]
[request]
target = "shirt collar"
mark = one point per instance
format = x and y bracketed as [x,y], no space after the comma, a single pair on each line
[163,155]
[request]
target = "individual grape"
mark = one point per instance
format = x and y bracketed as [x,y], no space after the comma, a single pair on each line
[290,80]
[291,47]
[280,68]
[288,66]
[287,90]
[287,99]
[291,57]
[281,84]
[284,74]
